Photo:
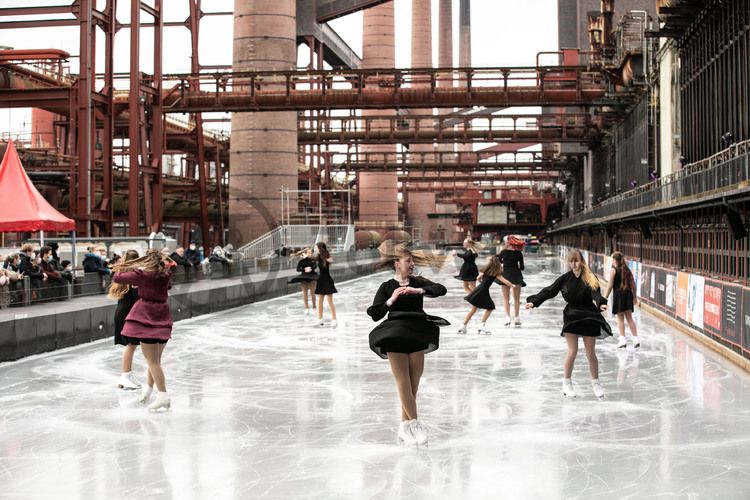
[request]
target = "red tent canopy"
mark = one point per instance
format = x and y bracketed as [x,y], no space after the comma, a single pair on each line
[22,207]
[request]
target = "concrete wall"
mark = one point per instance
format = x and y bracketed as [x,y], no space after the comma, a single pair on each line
[48,327]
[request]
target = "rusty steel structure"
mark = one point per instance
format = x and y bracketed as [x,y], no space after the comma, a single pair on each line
[110,144]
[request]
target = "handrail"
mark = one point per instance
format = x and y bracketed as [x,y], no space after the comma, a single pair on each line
[715,174]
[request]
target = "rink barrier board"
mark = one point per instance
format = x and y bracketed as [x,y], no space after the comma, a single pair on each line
[47,327]
[705,308]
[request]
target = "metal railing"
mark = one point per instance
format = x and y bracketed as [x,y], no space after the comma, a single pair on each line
[339,238]
[716,175]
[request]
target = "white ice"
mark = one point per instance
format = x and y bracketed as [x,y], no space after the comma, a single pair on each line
[267,406]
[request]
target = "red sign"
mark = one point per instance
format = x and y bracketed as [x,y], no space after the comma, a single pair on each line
[712,307]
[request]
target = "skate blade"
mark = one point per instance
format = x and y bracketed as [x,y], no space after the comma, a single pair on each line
[123,388]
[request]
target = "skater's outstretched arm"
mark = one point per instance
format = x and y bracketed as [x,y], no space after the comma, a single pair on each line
[133,278]
[546,293]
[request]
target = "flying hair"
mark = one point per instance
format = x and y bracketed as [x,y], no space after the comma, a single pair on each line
[119,290]
[155,261]
[472,245]
[391,252]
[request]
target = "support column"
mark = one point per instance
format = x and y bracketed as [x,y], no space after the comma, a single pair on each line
[378,191]
[264,145]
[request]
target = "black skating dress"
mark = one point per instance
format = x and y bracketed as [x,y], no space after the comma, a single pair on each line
[469,271]
[124,305]
[512,261]
[325,285]
[480,296]
[408,328]
[581,316]
[306,277]
[622,299]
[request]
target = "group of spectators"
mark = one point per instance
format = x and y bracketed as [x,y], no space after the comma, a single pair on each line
[46,272]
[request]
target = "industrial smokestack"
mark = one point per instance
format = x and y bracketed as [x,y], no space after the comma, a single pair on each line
[264,145]
[464,34]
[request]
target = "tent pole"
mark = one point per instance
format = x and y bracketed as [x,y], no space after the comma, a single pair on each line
[74,257]
[41,238]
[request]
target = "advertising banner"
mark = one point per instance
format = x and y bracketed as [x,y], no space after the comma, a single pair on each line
[670,289]
[746,319]
[661,288]
[712,307]
[695,300]
[682,296]
[732,317]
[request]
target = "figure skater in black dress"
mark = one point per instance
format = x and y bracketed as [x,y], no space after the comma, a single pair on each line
[408,332]
[469,272]
[511,257]
[325,287]
[307,277]
[581,317]
[620,280]
[126,297]
[479,298]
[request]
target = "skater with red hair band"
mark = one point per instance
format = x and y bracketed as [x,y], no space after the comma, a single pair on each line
[621,282]
[150,320]
[511,257]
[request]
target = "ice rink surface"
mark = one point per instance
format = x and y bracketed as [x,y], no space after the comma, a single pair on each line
[267,406]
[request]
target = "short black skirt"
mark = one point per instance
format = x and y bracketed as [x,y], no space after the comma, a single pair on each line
[304,277]
[622,301]
[134,340]
[406,332]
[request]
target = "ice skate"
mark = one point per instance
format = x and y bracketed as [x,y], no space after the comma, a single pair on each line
[419,432]
[334,323]
[568,390]
[507,321]
[320,323]
[622,343]
[516,323]
[462,330]
[127,383]
[598,389]
[636,342]
[307,312]
[405,433]
[162,401]
[483,330]
[145,395]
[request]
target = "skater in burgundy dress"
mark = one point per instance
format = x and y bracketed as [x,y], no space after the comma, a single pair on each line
[150,319]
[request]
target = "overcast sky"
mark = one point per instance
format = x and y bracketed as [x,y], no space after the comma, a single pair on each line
[504,33]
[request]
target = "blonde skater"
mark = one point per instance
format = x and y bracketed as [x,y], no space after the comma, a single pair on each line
[581,318]
[469,272]
[307,277]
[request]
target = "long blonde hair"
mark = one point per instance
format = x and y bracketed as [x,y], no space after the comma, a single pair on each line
[391,252]
[119,290]
[472,245]
[155,261]
[588,277]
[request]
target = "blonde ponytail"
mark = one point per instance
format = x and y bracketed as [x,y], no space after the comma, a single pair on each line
[588,277]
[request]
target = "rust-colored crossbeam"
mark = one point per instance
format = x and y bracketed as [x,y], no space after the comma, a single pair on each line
[384,88]
[431,129]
